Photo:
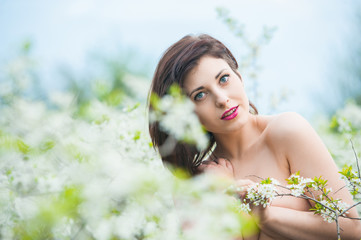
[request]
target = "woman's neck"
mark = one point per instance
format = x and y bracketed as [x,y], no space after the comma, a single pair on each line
[233,145]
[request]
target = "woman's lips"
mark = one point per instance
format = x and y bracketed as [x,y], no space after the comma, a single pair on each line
[230,114]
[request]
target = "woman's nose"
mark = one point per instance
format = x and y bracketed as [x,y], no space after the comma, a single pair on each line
[221,100]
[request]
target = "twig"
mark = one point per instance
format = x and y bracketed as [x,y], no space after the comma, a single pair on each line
[338,227]
[340,189]
[358,167]
[350,207]
[333,203]
[310,192]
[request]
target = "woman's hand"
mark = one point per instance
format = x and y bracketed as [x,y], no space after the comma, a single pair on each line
[222,167]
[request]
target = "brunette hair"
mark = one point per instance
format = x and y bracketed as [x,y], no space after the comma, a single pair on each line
[177,61]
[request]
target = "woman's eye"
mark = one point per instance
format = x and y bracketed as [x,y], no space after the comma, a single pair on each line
[199,96]
[224,79]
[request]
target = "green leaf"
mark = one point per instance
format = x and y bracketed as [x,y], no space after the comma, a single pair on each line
[175,90]
[22,147]
[137,135]
[46,146]
[27,45]
[334,124]
[114,98]
[131,108]
[154,100]
[266,181]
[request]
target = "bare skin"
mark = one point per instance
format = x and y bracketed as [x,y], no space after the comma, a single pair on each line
[250,147]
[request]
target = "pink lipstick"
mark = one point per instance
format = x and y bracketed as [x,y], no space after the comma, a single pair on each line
[230,114]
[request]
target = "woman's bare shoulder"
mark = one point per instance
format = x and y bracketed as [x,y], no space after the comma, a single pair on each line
[285,127]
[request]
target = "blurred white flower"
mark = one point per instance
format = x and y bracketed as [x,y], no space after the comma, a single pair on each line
[64,229]
[26,207]
[177,117]
[100,176]
[63,100]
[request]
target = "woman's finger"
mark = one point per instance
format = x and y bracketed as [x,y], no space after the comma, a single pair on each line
[225,163]
[222,161]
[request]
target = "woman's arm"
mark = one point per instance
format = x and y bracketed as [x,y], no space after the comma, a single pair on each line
[299,225]
[293,137]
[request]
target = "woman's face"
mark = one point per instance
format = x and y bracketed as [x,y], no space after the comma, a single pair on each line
[218,93]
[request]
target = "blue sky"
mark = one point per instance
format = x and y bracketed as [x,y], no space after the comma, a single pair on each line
[310,35]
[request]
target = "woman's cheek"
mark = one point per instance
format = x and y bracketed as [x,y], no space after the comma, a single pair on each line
[198,112]
[202,119]
[206,116]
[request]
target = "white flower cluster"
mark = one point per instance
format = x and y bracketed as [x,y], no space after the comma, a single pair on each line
[298,189]
[176,116]
[356,182]
[44,153]
[336,206]
[262,193]
[353,181]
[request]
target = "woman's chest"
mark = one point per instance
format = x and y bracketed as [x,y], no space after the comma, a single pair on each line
[259,163]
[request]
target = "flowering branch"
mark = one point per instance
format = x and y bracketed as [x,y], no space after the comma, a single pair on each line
[330,209]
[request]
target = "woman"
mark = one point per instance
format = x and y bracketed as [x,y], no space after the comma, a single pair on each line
[246,144]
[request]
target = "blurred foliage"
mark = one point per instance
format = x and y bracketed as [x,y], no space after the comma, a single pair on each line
[342,135]
[342,129]
[20,77]
[108,79]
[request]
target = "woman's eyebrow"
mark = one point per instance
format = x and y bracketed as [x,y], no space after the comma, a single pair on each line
[201,87]
[198,88]
[220,73]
